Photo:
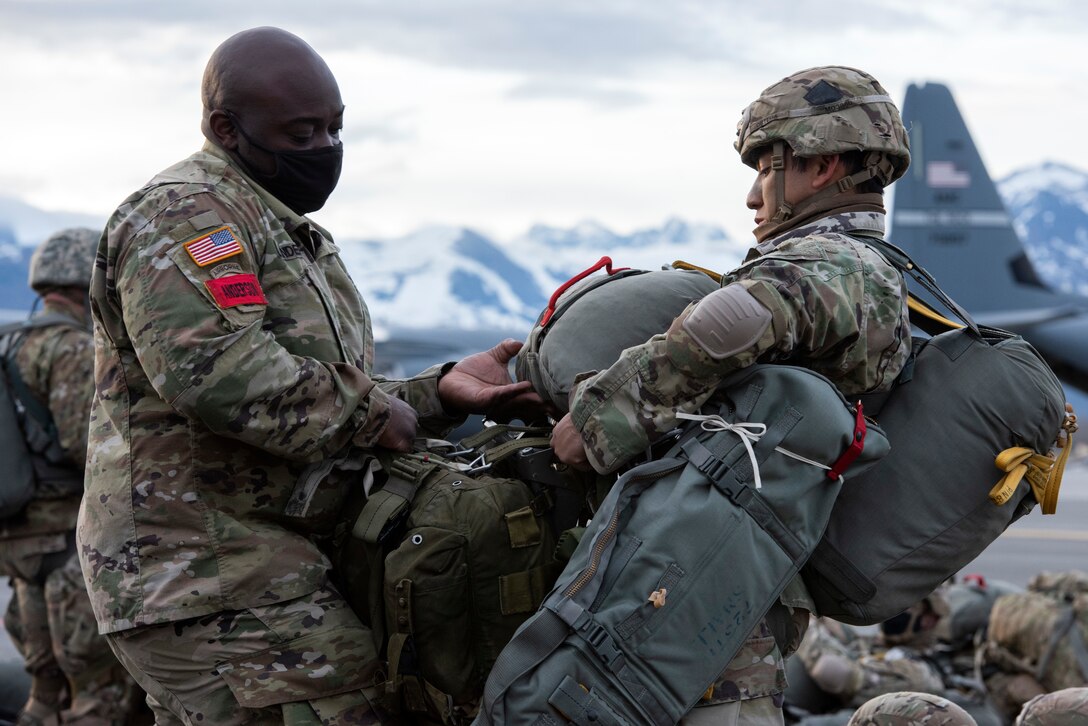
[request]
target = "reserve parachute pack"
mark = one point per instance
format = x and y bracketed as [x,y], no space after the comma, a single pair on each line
[659,595]
[559,349]
[32,451]
[1043,632]
[973,420]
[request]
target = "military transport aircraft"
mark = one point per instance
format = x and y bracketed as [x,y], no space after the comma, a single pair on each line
[948,216]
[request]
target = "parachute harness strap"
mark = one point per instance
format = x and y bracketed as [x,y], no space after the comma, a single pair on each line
[749,433]
[1043,471]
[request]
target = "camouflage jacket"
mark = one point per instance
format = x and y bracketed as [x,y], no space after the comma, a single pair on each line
[837,307]
[57,365]
[233,359]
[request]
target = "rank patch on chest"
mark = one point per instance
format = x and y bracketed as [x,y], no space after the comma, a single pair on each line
[216,245]
[234,290]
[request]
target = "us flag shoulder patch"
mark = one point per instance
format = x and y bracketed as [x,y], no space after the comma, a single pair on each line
[219,244]
[232,290]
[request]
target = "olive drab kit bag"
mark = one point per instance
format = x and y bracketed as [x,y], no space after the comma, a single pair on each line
[655,601]
[33,458]
[460,543]
[974,406]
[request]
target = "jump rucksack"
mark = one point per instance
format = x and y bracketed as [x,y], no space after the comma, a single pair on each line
[974,407]
[32,452]
[684,557]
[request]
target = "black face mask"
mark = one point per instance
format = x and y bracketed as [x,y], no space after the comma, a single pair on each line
[303,180]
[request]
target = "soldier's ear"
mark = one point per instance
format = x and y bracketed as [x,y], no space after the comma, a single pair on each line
[826,169]
[222,127]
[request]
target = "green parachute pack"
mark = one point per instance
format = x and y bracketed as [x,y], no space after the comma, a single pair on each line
[592,318]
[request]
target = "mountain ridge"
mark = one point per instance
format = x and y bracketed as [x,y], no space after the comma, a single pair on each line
[459,278]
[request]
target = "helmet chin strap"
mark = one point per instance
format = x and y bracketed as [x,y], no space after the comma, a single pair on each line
[787,216]
[778,168]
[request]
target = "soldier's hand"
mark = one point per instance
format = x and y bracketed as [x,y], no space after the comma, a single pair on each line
[568,446]
[400,432]
[481,383]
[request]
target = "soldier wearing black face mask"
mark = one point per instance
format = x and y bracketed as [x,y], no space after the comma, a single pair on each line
[302,179]
[235,411]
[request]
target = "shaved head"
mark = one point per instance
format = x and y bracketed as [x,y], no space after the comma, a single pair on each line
[260,71]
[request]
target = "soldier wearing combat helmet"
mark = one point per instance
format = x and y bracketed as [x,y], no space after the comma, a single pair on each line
[236,411]
[49,363]
[824,142]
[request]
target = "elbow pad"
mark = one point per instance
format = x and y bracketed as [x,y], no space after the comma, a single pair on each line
[727,321]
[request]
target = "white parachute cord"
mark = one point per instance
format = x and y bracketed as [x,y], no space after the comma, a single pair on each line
[748,433]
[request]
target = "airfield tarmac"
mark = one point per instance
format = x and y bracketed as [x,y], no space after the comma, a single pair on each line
[1031,545]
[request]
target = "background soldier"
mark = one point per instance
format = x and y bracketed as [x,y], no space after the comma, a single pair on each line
[51,366]
[235,411]
[824,142]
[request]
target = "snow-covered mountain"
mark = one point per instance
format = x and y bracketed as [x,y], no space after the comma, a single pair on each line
[451,277]
[1049,206]
[458,278]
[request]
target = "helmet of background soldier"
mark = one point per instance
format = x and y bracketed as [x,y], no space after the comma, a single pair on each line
[65,259]
[1067,707]
[828,110]
[908,708]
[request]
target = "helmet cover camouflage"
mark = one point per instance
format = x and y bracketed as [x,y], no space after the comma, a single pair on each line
[65,259]
[826,110]
[909,708]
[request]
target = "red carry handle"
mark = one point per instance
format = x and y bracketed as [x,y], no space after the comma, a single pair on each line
[856,447]
[605,262]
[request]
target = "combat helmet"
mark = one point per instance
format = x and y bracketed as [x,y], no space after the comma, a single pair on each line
[65,259]
[826,110]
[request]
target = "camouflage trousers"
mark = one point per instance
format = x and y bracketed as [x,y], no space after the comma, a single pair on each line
[74,675]
[764,711]
[304,661]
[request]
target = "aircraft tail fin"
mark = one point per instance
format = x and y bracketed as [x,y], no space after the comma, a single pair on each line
[948,216]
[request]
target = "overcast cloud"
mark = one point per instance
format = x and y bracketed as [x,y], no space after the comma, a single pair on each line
[498,114]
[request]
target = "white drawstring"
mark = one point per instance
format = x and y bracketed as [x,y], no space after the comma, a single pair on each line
[748,433]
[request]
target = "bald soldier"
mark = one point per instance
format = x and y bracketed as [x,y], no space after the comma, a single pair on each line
[235,411]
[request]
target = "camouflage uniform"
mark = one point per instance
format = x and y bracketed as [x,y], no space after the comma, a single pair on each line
[836,306]
[854,672]
[906,708]
[1067,707]
[52,623]
[1034,643]
[229,448]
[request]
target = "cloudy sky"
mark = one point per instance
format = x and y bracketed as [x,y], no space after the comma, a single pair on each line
[501,113]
